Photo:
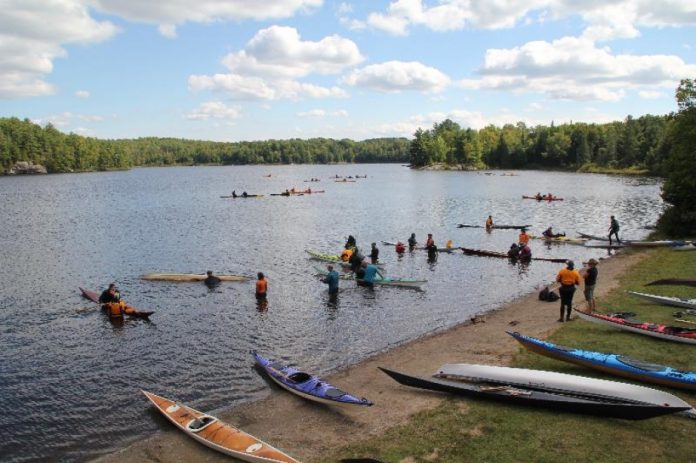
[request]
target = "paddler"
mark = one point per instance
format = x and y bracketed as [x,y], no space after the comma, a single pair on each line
[211,280]
[523,238]
[350,242]
[374,253]
[489,223]
[261,287]
[234,193]
[412,242]
[110,299]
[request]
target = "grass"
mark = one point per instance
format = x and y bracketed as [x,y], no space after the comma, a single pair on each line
[597,169]
[466,430]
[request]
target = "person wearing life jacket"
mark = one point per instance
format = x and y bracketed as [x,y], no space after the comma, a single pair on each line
[400,248]
[525,253]
[489,223]
[431,248]
[261,287]
[110,299]
[568,277]
[448,245]
[346,254]
[523,238]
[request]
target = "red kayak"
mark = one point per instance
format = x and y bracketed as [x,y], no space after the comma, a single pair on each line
[94,297]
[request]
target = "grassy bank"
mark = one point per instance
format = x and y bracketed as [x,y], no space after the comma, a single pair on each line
[597,169]
[466,430]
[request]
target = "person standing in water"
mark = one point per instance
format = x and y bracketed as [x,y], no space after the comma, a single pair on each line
[614,230]
[331,279]
[489,223]
[261,287]
[374,253]
[412,242]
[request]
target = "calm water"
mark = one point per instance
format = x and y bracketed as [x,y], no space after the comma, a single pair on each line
[70,379]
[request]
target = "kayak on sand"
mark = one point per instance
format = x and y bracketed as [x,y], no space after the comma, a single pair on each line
[217,435]
[673,281]
[666,300]
[130,311]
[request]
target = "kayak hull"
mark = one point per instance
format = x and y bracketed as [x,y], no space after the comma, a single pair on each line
[666,300]
[501,255]
[218,435]
[670,333]
[399,282]
[526,397]
[189,277]
[307,386]
[334,259]
[611,363]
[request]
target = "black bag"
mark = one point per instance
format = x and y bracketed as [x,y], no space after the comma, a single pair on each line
[548,296]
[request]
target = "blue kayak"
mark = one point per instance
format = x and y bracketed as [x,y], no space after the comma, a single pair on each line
[306,385]
[614,364]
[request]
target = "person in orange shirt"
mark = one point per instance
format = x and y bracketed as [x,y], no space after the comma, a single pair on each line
[261,287]
[568,277]
[523,238]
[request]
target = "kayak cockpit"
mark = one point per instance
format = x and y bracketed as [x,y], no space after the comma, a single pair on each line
[299,377]
[200,423]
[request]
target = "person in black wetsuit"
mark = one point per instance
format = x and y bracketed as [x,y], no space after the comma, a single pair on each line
[412,242]
[614,230]
[234,193]
[355,260]
[211,279]
[350,242]
[110,294]
[374,253]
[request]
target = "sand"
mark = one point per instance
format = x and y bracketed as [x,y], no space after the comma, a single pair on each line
[308,430]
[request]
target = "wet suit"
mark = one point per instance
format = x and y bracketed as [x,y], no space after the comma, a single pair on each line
[614,230]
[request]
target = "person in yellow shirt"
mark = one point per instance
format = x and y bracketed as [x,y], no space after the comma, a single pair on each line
[523,238]
[568,277]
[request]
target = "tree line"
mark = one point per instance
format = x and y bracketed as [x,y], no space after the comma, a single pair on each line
[632,143]
[23,140]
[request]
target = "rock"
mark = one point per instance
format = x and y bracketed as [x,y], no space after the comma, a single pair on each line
[25,168]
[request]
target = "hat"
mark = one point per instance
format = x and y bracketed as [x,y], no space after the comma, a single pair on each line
[592,262]
[570,264]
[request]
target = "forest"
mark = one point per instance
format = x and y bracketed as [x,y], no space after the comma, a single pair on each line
[23,140]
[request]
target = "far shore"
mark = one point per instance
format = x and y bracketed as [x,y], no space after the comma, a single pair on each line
[310,431]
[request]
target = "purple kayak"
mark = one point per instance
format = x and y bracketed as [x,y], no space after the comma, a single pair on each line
[305,385]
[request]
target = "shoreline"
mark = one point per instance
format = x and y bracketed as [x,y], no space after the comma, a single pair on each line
[310,431]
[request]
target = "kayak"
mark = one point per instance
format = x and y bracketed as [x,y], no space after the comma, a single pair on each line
[671,333]
[604,244]
[402,282]
[94,297]
[673,281]
[306,192]
[611,363]
[633,243]
[503,255]
[332,258]
[543,198]
[217,435]
[686,247]
[242,196]
[189,277]
[344,181]
[666,300]
[565,400]
[287,194]
[559,239]
[504,227]
[305,385]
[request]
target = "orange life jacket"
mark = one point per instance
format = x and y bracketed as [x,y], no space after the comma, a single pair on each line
[261,286]
[114,309]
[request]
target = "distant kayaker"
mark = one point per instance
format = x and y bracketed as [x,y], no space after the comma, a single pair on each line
[538,196]
[568,277]
[331,279]
[548,233]
[412,242]
[374,253]
[110,299]
[489,223]
[244,194]
[523,238]
[614,229]
[590,277]
[371,272]
[234,193]
[261,287]
[400,248]
[211,280]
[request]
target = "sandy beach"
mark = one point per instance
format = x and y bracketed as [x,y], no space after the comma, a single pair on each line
[308,430]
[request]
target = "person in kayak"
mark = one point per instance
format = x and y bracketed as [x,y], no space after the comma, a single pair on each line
[412,242]
[331,279]
[568,277]
[211,280]
[614,230]
[261,287]
[548,233]
[538,196]
[234,193]
[374,253]
[371,272]
[110,299]
[244,194]
[590,277]
[523,238]
[110,294]
[489,223]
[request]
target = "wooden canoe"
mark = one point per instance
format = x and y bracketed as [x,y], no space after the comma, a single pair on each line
[189,277]
[217,435]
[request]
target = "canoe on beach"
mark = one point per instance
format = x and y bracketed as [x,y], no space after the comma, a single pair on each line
[670,333]
[399,282]
[503,255]
[614,364]
[502,227]
[673,281]
[536,395]
[94,297]
[666,300]
[189,277]
[217,435]
[305,385]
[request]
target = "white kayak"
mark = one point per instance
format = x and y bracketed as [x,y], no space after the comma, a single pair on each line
[559,382]
[666,300]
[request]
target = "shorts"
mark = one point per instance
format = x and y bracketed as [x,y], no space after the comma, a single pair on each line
[589,292]
[260,296]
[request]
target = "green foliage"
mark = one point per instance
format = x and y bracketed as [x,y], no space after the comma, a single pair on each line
[58,152]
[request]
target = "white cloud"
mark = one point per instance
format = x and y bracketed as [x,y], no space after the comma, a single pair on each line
[82,94]
[344,8]
[576,69]
[273,58]
[214,110]
[90,117]
[32,33]
[167,30]
[323,113]
[650,95]
[396,76]
[171,13]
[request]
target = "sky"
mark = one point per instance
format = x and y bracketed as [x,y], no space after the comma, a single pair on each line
[235,70]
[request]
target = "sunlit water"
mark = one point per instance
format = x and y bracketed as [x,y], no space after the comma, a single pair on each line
[70,379]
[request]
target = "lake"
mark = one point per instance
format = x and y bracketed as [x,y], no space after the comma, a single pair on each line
[71,379]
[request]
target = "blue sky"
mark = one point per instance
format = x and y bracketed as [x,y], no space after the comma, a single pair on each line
[232,70]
